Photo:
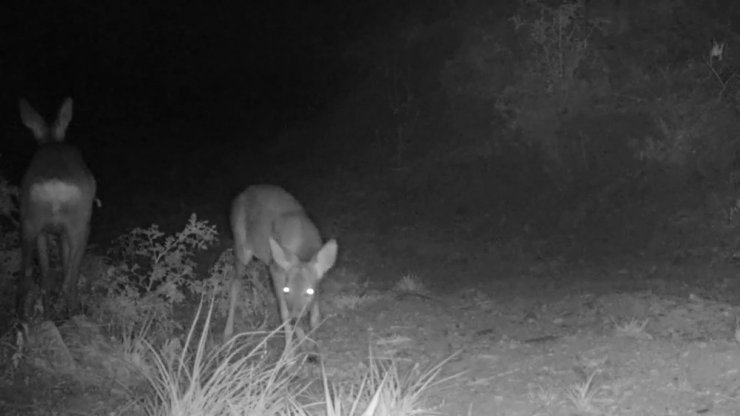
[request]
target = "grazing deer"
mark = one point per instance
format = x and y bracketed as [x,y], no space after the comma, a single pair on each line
[271,225]
[56,197]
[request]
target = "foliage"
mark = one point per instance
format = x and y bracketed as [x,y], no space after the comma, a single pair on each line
[558,41]
[386,390]
[234,378]
[561,74]
[148,276]
[8,198]
[239,378]
[9,237]
[694,129]
[410,283]
[256,299]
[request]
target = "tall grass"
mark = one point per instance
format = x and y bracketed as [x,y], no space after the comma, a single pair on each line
[238,378]
[385,391]
[232,379]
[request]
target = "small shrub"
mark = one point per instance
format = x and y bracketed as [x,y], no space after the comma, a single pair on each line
[386,390]
[257,301]
[149,275]
[8,205]
[233,379]
[583,395]
[10,254]
[695,132]
[343,301]
[561,75]
[411,283]
[238,378]
[558,38]
[10,257]
[633,328]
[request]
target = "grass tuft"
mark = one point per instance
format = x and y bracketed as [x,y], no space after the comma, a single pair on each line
[235,378]
[240,378]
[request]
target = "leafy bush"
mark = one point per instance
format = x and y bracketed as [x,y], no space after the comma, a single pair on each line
[558,41]
[8,225]
[561,75]
[10,259]
[256,299]
[387,390]
[8,198]
[149,275]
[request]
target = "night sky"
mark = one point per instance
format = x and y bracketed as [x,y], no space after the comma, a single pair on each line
[176,98]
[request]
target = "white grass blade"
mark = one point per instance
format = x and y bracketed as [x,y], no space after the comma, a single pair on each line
[233,379]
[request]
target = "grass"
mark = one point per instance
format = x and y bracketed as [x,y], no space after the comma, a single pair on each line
[240,378]
[352,302]
[410,283]
[544,395]
[233,379]
[583,395]
[633,328]
[384,390]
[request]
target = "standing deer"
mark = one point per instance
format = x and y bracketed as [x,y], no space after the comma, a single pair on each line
[56,197]
[271,225]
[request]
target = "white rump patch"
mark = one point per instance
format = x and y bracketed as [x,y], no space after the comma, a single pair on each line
[56,193]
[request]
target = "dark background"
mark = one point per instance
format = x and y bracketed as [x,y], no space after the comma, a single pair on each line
[390,112]
[173,97]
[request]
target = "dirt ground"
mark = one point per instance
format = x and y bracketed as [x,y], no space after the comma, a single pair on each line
[618,335]
[567,240]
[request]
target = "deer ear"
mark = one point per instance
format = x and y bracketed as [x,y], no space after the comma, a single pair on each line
[280,256]
[63,118]
[325,258]
[33,121]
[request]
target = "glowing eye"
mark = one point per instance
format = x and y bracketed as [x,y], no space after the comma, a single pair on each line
[310,291]
[286,289]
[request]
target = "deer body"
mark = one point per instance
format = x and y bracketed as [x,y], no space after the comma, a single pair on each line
[271,225]
[56,197]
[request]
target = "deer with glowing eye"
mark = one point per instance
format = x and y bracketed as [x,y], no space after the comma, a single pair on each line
[271,225]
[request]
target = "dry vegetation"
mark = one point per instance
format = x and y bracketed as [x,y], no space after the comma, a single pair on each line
[561,180]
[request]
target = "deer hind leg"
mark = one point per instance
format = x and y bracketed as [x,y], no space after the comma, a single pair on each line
[43,243]
[73,251]
[26,279]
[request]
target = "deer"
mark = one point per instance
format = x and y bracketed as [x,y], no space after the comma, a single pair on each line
[56,198]
[270,225]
